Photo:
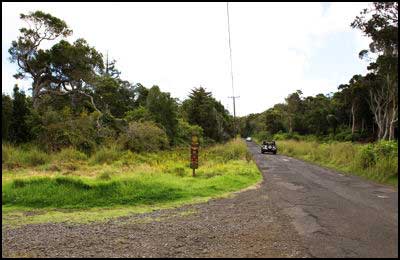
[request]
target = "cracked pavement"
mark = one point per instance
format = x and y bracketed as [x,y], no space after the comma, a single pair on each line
[336,215]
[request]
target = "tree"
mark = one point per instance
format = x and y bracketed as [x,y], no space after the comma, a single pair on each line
[6,116]
[382,27]
[356,94]
[333,122]
[163,109]
[31,61]
[273,121]
[111,95]
[293,108]
[203,110]
[19,129]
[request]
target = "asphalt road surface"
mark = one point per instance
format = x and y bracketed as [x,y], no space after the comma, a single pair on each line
[336,215]
[299,210]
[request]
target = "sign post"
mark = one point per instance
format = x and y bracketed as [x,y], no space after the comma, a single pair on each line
[194,154]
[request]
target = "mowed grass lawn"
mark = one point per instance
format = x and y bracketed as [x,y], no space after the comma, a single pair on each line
[111,179]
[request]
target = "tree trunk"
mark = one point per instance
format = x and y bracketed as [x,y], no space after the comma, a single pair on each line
[353,126]
[35,94]
[290,125]
[362,125]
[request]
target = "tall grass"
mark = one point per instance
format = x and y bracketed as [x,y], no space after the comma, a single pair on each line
[14,157]
[135,179]
[377,161]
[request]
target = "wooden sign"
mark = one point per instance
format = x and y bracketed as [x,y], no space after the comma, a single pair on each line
[194,153]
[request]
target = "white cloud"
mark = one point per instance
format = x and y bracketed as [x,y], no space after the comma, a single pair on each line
[182,45]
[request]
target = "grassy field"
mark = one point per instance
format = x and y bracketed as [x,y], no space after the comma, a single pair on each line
[378,161]
[72,186]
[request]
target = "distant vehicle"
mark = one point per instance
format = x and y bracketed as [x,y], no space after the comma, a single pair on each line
[269,147]
[248,139]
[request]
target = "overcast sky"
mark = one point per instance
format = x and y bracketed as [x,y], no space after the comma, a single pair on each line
[277,48]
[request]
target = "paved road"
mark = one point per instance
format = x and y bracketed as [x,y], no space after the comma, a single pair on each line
[336,215]
[299,210]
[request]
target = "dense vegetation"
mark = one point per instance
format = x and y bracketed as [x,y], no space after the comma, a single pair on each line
[364,109]
[79,100]
[376,161]
[112,177]
[86,138]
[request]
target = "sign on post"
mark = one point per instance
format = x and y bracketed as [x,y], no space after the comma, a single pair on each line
[194,154]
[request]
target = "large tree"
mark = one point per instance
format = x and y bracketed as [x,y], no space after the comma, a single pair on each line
[163,109]
[380,23]
[32,61]
[203,110]
[294,106]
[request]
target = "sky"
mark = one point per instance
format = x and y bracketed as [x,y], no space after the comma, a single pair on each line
[277,48]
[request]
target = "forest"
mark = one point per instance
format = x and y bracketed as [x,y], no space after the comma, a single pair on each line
[364,109]
[79,99]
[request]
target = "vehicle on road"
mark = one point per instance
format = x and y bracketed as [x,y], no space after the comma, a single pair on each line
[248,139]
[269,147]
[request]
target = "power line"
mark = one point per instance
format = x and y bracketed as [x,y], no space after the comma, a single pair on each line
[230,56]
[230,48]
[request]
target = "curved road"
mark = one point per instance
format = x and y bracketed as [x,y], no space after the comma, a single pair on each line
[299,210]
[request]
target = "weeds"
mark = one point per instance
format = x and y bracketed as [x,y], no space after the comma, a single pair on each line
[142,179]
[378,161]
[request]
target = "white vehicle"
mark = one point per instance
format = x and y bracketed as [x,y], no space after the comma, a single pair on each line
[248,139]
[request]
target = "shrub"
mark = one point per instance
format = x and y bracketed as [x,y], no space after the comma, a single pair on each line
[233,150]
[287,136]
[18,157]
[5,153]
[184,133]
[377,161]
[386,148]
[62,129]
[106,155]
[263,135]
[70,154]
[366,156]
[144,137]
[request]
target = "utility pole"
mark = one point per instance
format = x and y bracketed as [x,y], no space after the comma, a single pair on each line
[233,90]
[234,113]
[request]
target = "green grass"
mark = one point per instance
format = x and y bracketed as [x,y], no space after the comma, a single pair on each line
[13,157]
[378,162]
[70,181]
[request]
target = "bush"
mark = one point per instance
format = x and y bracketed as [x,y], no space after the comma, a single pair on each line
[378,161]
[63,129]
[386,149]
[287,136]
[263,135]
[106,155]
[18,157]
[184,133]
[366,156]
[70,154]
[233,150]
[144,137]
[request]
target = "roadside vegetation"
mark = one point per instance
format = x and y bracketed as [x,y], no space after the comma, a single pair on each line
[354,129]
[71,180]
[85,139]
[377,161]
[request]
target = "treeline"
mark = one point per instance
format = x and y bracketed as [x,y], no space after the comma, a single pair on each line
[364,109]
[79,99]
